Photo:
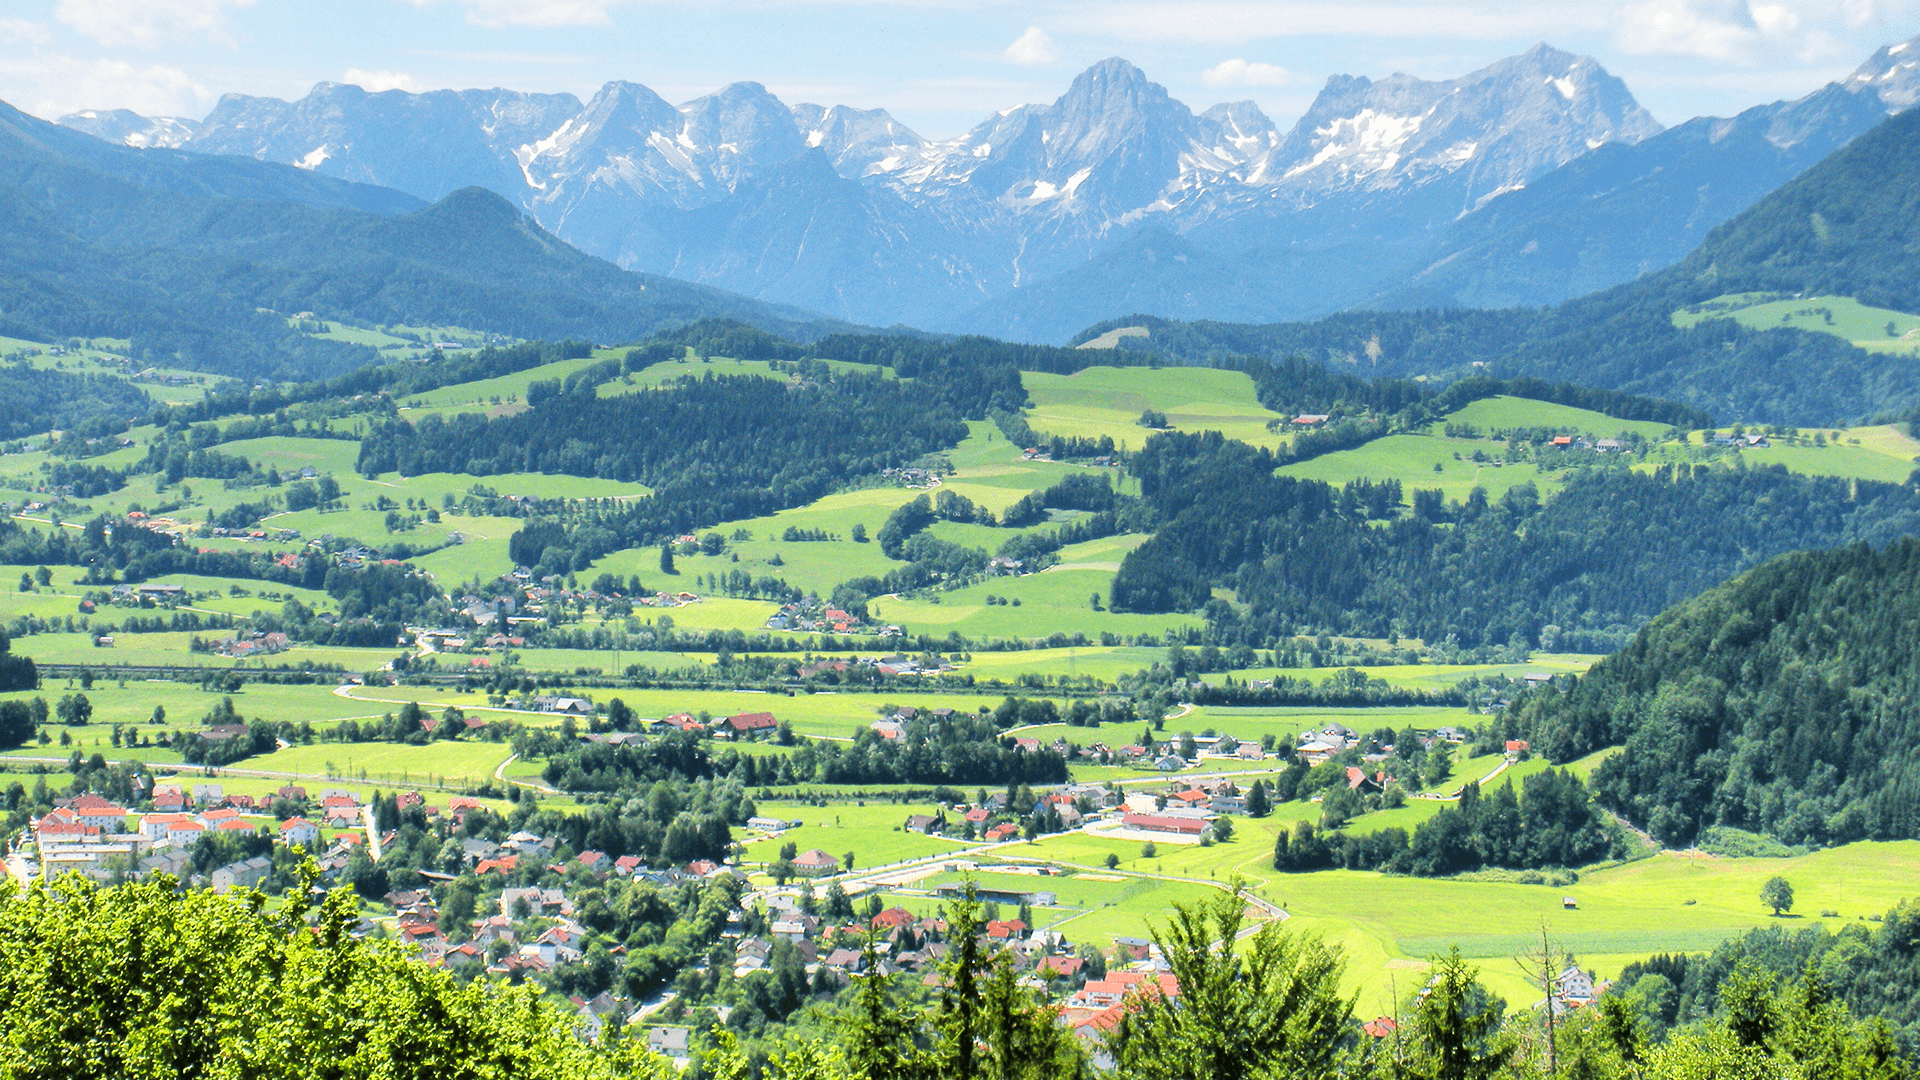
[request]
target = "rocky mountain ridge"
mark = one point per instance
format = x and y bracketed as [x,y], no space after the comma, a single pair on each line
[1022,225]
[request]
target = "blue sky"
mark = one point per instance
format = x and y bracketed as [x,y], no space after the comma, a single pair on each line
[939,66]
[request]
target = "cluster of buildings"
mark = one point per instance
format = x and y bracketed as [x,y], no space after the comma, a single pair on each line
[102,839]
[889,664]
[244,644]
[815,616]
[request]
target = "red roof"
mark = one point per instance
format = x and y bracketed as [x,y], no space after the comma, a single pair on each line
[893,919]
[1162,823]
[753,721]
[1380,1027]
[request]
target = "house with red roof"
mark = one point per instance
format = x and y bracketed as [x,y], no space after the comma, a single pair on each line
[1065,967]
[747,725]
[893,919]
[816,861]
[64,824]
[299,831]
[1178,826]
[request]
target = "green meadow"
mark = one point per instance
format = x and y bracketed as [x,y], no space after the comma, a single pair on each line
[1426,461]
[1871,328]
[872,831]
[1109,401]
[1057,600]
[1883,452]
[1505,413]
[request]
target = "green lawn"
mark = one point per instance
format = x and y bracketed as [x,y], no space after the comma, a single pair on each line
[1108,401]
[1105,663]
[1287,722]
[478,396]
[835,715]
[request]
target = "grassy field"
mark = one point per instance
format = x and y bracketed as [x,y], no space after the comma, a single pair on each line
[831,715]
[1424,461]
[1109,401]
[987,469]
[1059,600]
[1871,328]
[871,831]
[1884,452]
[480,395]
[1424,676]
[1390,925]
[457,763]
[1506,413]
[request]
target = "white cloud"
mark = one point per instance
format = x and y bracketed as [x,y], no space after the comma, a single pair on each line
[1238,72]
[1712,29]
[1239,22]
[53,85]
[23,32]
[376,81]
[145,22]
[495,14]
[1032,49]
[1728,31]
[154,90]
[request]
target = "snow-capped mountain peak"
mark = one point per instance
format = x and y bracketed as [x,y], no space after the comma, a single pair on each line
[1892,74]
[129,128]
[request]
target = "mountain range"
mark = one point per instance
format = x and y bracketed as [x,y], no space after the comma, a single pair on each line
[1845,227]
[197,259]
[1533,180]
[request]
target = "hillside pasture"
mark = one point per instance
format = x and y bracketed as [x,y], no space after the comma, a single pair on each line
[1058,600]
[1109,401]
[1505,413]
[1872,328]
[1425,461]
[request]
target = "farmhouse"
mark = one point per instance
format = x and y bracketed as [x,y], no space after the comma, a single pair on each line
[569,705]
[751,723]
[816,861]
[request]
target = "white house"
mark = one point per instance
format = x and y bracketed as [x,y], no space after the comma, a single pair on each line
[299,831]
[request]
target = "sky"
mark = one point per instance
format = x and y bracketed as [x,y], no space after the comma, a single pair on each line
[940,66]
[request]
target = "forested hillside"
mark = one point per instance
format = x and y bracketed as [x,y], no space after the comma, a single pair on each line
[1845,227]
[1782,702]
[39,400]
[1613,549]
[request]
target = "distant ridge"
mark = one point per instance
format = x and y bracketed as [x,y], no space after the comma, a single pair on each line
[182,252]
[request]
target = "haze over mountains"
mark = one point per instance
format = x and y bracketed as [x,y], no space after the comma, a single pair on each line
[1535,179]
[190,256]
